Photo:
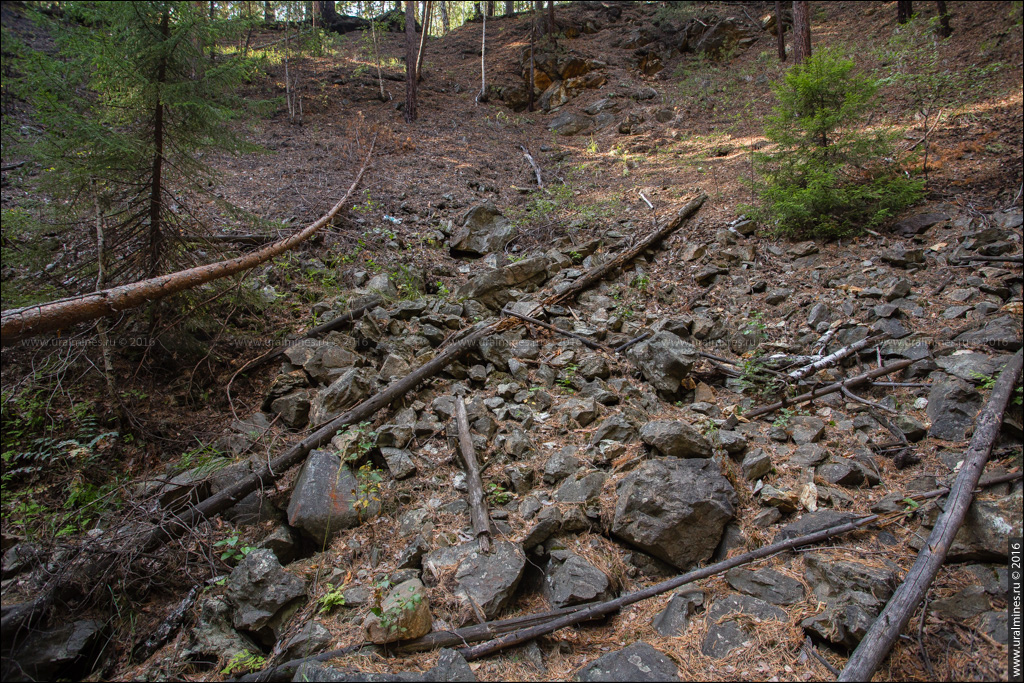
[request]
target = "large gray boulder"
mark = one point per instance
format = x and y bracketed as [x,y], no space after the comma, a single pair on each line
[665,360]
[853,593]
[571,580]
[489,580]
[484,230]
[675,509]
[214,638]
[328,498]
[569,123]
[766,584]
[354,385]
[68,652]
[638,662]
[265,596]
[989,522]
[676,439]
[733,623]
[952,407]
[492,288]
[1003,333]
[405,614]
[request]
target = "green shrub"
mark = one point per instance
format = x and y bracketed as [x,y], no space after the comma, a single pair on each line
[827,176]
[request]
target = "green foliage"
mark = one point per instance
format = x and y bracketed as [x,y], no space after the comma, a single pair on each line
[119,69]
[244,661]
[827,177]
[497,495]
[331,599]
[232,552]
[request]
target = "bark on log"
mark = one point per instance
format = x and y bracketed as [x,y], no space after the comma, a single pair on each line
[875,646]
[547,326]
[835,357]
[31,321]
[831,388]
[536,168]
[474,484]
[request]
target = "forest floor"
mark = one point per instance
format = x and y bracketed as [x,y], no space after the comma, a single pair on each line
[460,153]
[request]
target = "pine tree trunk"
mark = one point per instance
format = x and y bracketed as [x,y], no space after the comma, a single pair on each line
[945,30]
[445,21]
[427,6]
[156,187]
[510,8]
[410,61]
[780,31]
[551,18]
[904,10]
[538,9]
[530,86]
[482,96]
[268,12]
[801,31]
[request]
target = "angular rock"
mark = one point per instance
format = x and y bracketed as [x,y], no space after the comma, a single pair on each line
[561,465]
[915,225]
[675,618]
[328,498]
[639,662]
[674,509]
[1002,333]
[571,580]
[584,487]
[400,462]
[854,594]
[405,614]
[492,288]
[488,581]
[484,230]
[614,428]
[734,619]
[676,439]
[214,639]
[292,409]
[805,429]
[570,123]
[354,385]
[311,640]
[67,652]
[665,360]
[766,584]
[811,522]
[989,522]
[756,464]
[265,596]
[952,407]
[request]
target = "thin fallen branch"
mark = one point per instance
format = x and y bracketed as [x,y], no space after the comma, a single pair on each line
[606,608]
[863,401]
[835,357]
[885,630]
[599,273]
[831,388]
[30,321]
[1018,258]
[474,485]
[547,326]
[809,647]
[536,168]
[634,340]
[166,629]
[484,631]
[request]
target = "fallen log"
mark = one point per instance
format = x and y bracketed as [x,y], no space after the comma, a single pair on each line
[830,388]
[536,168]
[547,326]
[474,485]
[30,321]
[886,629]
[835,357]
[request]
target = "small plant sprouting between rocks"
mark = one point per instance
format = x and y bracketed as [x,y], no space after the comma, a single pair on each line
[333,598]
[497,495]
[244,661]
[233,553]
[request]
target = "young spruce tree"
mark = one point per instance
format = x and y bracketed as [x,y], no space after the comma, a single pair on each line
[126,105]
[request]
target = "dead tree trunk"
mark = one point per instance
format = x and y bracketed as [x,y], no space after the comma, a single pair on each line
[886,629]
[780,31]
[474,484]
[410,61]
[156,185]
[801,31]
[482,96]
[31,321]
[427,7]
